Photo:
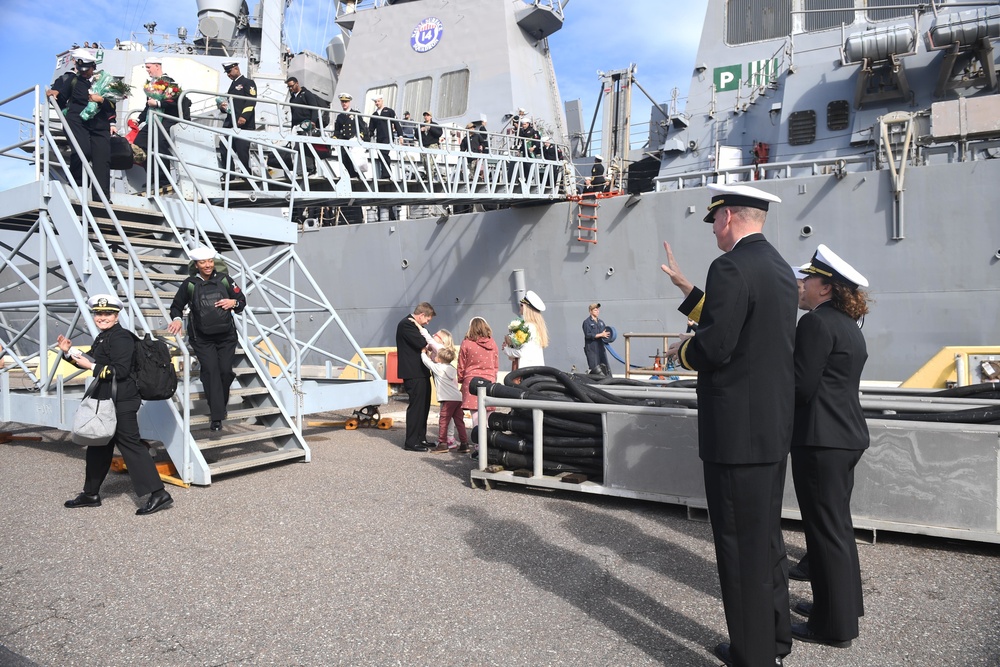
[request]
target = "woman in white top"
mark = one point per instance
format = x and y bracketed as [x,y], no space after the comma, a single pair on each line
[531,353]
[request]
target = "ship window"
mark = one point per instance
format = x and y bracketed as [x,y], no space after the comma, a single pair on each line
[388,94]
[883,10]
[417,97]
[801,128]
[838,113]
[756,20]
[454,98]
[823,20]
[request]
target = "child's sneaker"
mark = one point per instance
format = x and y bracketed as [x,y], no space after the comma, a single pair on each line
[463,448]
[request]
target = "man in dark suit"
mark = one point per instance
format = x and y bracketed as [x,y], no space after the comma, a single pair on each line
[415,375]
[299,94]
[829,436]
[743,352]
[244,109]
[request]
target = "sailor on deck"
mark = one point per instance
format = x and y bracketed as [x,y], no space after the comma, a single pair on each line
[245,109]
[349,125]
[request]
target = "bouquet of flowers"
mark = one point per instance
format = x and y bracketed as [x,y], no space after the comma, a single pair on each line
[103,85]
[162,90]
[518,333]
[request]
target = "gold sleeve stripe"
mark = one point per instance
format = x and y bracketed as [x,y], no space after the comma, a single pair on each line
[683,354]
[695,313]
[245,109]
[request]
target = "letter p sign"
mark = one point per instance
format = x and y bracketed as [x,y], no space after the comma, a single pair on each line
[727,78]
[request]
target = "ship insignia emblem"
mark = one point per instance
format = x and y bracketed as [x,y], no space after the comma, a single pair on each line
[426,35]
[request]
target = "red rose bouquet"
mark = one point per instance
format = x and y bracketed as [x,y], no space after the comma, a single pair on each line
[162,90]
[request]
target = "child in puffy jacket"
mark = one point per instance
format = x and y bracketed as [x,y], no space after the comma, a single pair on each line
[449,397]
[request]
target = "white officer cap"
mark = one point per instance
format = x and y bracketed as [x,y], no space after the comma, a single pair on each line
[525,119]
[546,138]
[231,64]
[346,97]
[153,60]
[738,195]
[201,253]
[83,56]
[826,262]
[533,300]
[104,303]
[800,271]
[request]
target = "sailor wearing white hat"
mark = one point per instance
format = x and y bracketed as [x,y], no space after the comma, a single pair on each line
[104,303]
[826,262]
[743,352]
[212,297]
[531,352]
[738,195]
[829,437]
[110,360]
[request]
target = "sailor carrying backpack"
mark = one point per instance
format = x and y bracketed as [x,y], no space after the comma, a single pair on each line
[154,374]
[210,320]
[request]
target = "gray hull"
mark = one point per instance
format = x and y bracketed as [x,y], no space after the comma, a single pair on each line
[934,288]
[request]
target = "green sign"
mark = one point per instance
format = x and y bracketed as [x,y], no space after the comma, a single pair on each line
[727,78]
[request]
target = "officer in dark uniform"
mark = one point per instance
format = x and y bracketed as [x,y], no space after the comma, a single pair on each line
[72,94]
[243,109]
[111,357]
[349,125]
[828,439]
[743,352]
[215,349]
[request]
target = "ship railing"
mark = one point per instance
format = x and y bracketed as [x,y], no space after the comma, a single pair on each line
[345,7]
[299,168]
[837,166]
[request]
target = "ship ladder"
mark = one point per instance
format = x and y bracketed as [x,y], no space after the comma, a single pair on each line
[586,214]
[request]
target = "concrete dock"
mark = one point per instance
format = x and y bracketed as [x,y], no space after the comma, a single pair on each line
[371,555]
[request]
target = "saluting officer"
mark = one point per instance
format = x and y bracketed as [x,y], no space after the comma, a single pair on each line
[743,352]
[212,331]
[829,437]
[244,109]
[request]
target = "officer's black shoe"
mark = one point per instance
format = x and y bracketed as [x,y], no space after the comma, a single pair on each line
[84,500]
[216,425]
[158,500]
[723,653]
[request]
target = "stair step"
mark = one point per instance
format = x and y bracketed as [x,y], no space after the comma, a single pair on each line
[587,240]
[234,392]
[255,460]
[164,277]
[146,294]
[586,217]
[216,442]
[141,241]
[244,370]
[148,258]
[128,225]
[586,229]
[237,415]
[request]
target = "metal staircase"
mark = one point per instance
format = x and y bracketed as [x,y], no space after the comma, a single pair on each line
[56,251]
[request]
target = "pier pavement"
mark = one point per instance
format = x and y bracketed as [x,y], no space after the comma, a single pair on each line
[371,555]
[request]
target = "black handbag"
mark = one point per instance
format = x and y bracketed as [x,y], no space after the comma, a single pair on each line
[121,153]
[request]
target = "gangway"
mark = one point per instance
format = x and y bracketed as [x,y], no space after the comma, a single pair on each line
[59,246]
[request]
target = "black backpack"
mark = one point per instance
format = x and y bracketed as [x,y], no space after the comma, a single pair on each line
[154,374]
[208,319]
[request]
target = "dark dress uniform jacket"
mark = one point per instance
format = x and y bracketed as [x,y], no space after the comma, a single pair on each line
[830,353]
[112,352]
[308,98]
[385,131]
[242,108]
[743,353]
